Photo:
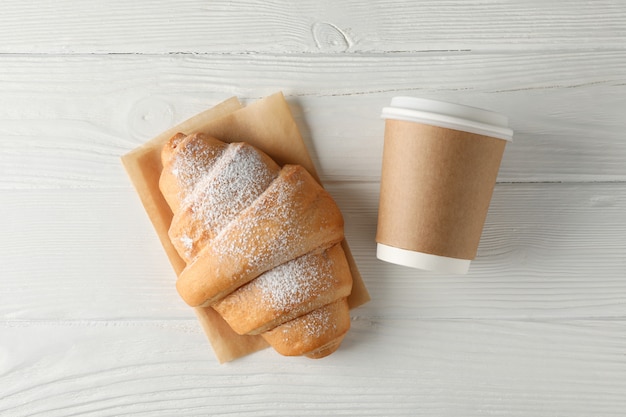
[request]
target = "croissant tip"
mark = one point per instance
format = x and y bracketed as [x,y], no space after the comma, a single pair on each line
[327,349]
[175,140]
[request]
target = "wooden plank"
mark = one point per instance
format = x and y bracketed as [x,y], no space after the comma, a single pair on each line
[548,251]
[70,126]
[385,366]
[310,26]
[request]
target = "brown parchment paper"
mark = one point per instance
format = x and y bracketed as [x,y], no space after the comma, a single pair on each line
[267,124]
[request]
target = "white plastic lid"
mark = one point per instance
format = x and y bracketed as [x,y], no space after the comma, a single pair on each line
[450,116]
[422,260]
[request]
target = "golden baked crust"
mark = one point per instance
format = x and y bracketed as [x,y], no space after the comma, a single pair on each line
[261,243]
[294,216]
[316,334]
[287,291]
[185,159]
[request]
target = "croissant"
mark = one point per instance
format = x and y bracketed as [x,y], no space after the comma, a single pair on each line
[262,244]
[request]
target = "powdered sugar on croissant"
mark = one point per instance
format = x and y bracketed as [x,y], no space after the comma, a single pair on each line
[261,242]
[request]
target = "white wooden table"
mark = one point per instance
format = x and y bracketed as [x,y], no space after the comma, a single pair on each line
[90,323]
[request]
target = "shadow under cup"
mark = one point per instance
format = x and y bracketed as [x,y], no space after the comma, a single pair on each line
[440,164]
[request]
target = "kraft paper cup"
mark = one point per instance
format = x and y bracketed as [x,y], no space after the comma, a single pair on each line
[440,163]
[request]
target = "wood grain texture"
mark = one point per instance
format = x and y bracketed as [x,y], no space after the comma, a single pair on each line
[281,26]
[385,367]
[566,109]
[90,323]
[548,251]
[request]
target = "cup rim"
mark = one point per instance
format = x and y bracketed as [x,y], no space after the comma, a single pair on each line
[449,115]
